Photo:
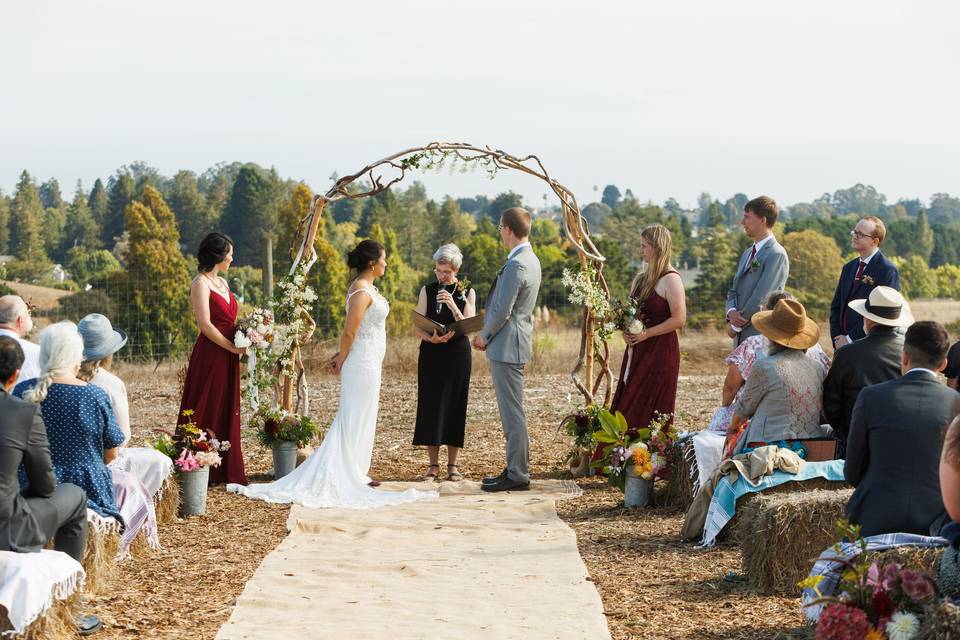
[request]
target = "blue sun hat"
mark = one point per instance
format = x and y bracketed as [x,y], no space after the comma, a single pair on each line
[100,339]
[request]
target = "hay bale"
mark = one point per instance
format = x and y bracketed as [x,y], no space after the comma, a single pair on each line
[100,557]
[678,491]
[925,559]
[168,501]
[782,533]
[59,621]
[741,519]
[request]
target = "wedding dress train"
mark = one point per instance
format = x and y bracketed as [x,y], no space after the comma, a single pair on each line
[335,475]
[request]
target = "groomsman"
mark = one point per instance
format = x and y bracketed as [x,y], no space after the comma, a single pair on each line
[858,278]
[762,268]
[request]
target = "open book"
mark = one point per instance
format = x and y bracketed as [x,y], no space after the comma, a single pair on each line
[461,327]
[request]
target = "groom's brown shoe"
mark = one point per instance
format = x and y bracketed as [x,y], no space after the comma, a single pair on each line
[506,485]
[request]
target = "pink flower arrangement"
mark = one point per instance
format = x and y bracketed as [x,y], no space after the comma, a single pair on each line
[189,446]
[842,622]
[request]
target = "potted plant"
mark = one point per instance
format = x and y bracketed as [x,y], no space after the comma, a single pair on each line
[284,433]
[633,458]
[193,451]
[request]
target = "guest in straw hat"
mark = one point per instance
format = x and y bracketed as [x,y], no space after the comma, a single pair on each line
[782,396]
[872,359]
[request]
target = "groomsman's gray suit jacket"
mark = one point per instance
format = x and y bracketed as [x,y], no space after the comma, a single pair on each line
[508,320]
[752,284]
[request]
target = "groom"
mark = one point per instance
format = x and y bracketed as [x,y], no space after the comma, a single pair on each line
[506,338]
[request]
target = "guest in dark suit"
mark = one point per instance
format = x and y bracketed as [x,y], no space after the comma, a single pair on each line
[870,360]
[858,278]
[895,441]
[44,511]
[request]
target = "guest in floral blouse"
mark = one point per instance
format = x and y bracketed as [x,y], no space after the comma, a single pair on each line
[79,418]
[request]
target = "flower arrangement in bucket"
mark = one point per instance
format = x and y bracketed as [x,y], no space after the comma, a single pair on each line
[277,425]
[193,451]
[624,447]
[581,426]
[189,446]
[874,601]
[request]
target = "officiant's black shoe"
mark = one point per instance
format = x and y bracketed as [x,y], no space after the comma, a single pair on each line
[506,485]
[495,479]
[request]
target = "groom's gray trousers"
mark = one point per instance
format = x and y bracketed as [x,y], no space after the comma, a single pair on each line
[508,386]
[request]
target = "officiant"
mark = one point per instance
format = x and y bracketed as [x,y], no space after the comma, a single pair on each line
[443,368]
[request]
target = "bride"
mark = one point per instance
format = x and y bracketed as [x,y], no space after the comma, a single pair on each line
[335,475]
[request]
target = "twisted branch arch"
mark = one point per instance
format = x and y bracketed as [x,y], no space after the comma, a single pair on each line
[592,370]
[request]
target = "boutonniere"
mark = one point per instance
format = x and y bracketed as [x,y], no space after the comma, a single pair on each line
[867,280]
[754,265]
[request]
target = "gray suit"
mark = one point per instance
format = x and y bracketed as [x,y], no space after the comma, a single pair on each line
[751,284]
[893,454]
[508,334]
[28,519]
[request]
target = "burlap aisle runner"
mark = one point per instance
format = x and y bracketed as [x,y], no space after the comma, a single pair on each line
[467,565]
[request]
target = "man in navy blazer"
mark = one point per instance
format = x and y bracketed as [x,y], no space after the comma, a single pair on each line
[858,278]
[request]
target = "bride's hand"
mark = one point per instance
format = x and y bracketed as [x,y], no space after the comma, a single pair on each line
[336,363]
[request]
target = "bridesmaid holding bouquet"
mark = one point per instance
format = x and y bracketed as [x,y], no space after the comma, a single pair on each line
[212,386]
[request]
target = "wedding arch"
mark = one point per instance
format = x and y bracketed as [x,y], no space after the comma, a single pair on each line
[592,371]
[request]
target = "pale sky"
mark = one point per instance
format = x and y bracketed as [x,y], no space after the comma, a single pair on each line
[789,99]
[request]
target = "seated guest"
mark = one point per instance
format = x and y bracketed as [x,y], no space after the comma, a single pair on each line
[28,519]
[869,360]
[15,322]
[100,342]
[894,445]
[708,444]
[952,370]
[782,396]
[950,472]
[79,418]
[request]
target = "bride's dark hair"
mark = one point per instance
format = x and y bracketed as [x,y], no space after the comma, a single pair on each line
[363,254]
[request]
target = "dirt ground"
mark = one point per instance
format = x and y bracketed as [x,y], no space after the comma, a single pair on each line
[652,585]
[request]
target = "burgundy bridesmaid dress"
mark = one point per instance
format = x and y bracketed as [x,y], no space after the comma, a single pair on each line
[212,390]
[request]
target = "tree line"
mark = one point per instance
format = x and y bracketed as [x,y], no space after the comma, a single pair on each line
[127,243]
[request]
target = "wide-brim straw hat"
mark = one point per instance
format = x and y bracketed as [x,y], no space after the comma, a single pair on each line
[788,325]
[100,339]
[884,306]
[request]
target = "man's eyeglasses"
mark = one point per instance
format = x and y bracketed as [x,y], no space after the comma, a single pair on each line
[499,227]
[860,236]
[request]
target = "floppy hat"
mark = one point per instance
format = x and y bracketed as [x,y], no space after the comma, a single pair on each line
[788,325]
[884,306]
[100,339]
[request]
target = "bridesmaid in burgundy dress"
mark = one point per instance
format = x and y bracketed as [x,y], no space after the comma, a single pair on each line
[651,365]
[212,387]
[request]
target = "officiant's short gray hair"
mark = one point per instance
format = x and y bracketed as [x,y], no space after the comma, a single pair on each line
[449,253]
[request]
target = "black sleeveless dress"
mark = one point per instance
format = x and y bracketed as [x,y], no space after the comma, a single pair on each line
[443,380]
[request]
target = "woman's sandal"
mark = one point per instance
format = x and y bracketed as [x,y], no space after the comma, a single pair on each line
[455,475]
[431,476]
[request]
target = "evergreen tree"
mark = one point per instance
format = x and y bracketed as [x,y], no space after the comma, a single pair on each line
[501,203]
[329,280]
[718,261]
[153,306]
[99,203]
[81,230]
[611,196]
[291,212]
[122,191]
[54,222]
[815,261]
[195,218]
[452,225]
[251,213]
[50,196]
[26,228]
[4,223]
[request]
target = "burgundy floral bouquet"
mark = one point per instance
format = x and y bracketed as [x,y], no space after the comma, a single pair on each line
[189,446]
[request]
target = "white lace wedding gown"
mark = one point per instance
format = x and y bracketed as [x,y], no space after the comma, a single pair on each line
[335,475]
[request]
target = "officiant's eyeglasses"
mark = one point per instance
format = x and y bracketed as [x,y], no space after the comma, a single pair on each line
[860,236]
